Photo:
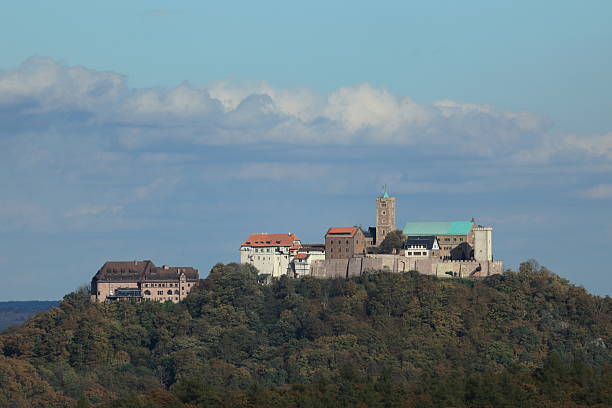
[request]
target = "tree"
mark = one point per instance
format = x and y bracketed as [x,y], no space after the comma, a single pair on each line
[393,241]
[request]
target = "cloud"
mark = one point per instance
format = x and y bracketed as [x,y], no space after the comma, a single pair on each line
[93,210]
[601,191]
[279,171]
[595,146]
[43,94]
[569,147]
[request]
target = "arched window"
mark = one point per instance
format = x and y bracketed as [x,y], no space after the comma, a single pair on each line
[169,292]
[147,292]
[176,292]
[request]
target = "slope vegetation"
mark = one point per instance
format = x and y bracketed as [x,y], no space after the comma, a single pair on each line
[519,339]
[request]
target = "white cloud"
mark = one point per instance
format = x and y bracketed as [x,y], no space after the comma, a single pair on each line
[278,171]
[43,94]
[597,145]
[601,191]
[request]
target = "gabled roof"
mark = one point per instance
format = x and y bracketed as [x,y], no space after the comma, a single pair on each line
[170,273]
[420,240]
[271,240]
[342,231]
[438,228]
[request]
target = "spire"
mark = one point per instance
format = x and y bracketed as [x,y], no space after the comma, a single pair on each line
[385,193]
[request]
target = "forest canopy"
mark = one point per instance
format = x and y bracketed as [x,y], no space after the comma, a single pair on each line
[526,338]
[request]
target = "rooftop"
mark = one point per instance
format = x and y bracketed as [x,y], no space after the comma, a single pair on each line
[271,240]
[142,270]
[420,240]
[342,231]
[438,228]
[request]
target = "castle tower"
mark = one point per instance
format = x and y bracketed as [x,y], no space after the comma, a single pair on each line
[483,243]
[385,216]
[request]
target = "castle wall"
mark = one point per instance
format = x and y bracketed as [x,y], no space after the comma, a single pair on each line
[344,268]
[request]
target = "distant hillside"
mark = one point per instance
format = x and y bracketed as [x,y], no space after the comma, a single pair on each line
[526,339]
[14,313]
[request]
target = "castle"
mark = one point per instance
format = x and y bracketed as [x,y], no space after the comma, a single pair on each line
[445,249]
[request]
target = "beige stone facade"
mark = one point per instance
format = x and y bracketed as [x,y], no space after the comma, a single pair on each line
[142,280]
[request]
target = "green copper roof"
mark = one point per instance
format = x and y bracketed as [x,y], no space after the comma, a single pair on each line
[386,195]
[438,228]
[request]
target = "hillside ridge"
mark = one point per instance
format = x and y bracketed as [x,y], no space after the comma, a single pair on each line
[380,339]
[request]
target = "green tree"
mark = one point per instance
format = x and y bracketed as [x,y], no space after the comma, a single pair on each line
[394,241]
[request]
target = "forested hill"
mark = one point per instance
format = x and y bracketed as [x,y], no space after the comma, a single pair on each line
[526,339]
[13,313]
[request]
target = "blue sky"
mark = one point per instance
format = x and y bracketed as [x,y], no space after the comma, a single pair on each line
[171,130]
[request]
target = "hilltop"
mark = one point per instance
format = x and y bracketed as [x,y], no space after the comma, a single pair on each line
[525,338]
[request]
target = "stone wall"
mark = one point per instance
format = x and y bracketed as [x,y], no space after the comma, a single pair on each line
[343,268]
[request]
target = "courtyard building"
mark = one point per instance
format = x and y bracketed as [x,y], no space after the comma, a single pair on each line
[270,253]
[142,280]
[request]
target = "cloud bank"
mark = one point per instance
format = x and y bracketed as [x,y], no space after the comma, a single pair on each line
[44,94]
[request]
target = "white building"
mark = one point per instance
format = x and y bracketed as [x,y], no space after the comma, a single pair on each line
[270,253]
[307,254]
[483,243]
[425,246]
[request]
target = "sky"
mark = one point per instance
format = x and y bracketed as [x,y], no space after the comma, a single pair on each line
[170,131]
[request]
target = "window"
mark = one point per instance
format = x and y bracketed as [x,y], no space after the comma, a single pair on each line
[169,292]
[409,253]
[160,292]
[147,292]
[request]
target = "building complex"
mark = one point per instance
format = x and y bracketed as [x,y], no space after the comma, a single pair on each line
[455,248]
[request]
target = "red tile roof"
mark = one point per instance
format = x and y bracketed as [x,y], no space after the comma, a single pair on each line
[302,256]
[342,231]
[271,240]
